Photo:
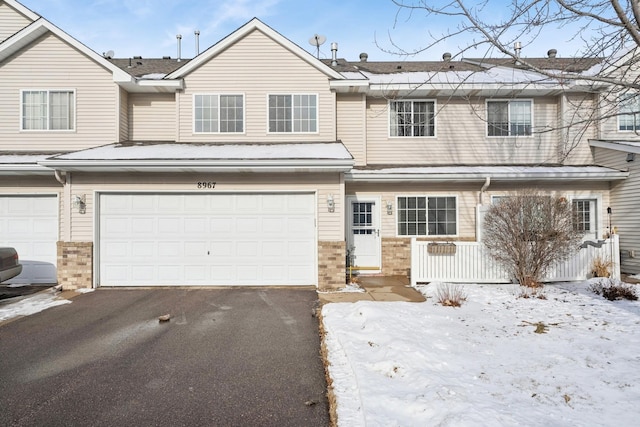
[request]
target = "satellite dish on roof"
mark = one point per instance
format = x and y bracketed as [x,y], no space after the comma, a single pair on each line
[316,41]
[109,54]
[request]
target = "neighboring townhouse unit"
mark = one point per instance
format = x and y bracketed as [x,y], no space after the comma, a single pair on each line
[255,163]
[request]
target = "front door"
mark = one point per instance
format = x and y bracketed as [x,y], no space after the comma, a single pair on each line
[363,239]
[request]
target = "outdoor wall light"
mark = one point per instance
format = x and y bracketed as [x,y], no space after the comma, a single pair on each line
[79,203]
[389,208]
[631,157]
[331,205]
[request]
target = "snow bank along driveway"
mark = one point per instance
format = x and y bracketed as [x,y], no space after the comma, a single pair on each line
[483,364]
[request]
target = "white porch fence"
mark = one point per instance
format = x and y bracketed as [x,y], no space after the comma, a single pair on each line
[469,262]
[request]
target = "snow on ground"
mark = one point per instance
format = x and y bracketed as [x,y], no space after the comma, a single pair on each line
[483,364]
[30,305]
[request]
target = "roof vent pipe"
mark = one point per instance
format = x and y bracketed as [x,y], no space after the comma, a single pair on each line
[551,53]
[197,33]
[446,56]
[179,37]
[364,57]
[334,54]
[517,46]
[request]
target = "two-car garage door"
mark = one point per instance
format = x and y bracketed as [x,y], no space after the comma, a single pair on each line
[207,239]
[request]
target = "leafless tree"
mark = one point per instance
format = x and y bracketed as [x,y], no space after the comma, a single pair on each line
[606,65]
[530,231]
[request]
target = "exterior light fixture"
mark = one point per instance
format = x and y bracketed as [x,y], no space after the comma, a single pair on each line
[79,203]
[389,208]
[631,157]
[331,205]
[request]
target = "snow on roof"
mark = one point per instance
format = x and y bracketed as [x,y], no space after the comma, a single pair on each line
[494,172]
[629,146]
[153,76]
[192,151]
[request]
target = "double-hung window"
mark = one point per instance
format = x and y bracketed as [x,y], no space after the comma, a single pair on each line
[509,118]
[48,110]
[427,216]
[293,113]
[411,118]
[217,113]
[629,118]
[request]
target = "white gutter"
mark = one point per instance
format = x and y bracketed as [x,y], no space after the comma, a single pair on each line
[478,177]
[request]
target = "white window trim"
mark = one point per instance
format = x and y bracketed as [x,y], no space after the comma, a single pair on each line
[218,94]
[75,110]
[600,210]
[508,100]
[427,196]
[620,114]
[292,94]
[435,121]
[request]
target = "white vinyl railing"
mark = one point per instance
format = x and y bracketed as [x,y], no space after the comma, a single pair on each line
[470,263]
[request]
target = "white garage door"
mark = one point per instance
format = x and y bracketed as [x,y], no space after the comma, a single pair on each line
[207,239]
[30,224]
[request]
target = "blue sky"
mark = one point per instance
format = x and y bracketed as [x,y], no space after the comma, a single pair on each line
[149,27]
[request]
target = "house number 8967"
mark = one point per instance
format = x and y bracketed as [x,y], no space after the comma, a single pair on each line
[205,185]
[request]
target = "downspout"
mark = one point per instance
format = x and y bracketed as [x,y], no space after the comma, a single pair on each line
[59,177]
[487,182]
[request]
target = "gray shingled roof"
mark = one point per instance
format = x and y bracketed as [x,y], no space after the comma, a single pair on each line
[139,67]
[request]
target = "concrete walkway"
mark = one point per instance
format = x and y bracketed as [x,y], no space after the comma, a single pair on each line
[376,288]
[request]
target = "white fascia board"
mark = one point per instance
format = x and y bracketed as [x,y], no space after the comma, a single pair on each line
[199,165]
[24,169]
[480,177]
[625,146]
[22,9]
[40,27]
[349,86]
[231,39]
[162,85]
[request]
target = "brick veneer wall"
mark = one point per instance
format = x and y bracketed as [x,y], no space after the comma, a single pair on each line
[331,265]
[75,265]
[396,256]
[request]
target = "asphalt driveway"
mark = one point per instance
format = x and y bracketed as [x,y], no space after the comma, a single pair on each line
[232,357]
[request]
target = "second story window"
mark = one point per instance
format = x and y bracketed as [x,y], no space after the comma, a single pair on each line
[411,118]
[214,113]
[629,118]
[48,110]
[509,118]
[293,113]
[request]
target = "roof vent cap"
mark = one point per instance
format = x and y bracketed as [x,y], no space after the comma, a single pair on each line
[364,56]
[446,56]
[551,53]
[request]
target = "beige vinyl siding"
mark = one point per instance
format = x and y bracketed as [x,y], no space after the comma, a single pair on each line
[123,111]
[577,124]
[152,117]
[49,63]
[11,21]
[466,204]
[256,66]
[461,137]
[468,197]
[625,202]
[330,224]
[351,125]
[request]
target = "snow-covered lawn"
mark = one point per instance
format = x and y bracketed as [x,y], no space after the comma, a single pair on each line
[483,364]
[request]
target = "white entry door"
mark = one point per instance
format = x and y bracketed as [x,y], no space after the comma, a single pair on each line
[363,240]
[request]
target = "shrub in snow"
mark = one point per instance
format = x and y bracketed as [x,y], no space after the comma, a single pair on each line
[450,295]
[613,291]
[601,267]
[529,231]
